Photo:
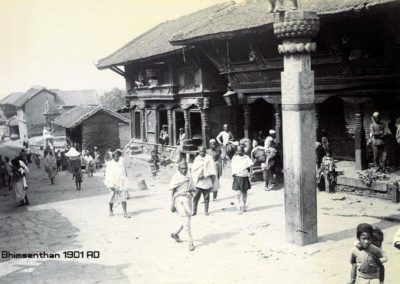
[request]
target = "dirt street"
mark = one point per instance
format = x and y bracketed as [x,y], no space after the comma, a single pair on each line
[230,248]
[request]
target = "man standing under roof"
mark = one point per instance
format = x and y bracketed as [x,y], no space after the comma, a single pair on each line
[223,138]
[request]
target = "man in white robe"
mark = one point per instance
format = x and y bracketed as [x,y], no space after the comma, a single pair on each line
[115,180]
[182,191]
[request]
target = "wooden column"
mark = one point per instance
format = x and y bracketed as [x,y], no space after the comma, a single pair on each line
[359,138]
[143,124]
[316,121]
[170,123]
[157,126]
[278,123]
[186,117]
[298,99]
[205,121]
[247,121]
[132,122]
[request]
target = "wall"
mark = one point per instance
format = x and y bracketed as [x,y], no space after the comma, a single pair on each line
[124,134]
[33,113]
[100,130]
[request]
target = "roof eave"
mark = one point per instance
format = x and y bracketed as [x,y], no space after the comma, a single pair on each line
[141,60]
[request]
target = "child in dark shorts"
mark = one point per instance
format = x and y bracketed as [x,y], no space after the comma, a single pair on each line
[77,175]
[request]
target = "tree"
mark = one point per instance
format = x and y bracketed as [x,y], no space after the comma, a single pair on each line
[114,99]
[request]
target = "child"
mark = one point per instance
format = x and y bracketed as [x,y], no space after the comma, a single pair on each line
[77,175]
[365,257]
[37,161]
[377,239]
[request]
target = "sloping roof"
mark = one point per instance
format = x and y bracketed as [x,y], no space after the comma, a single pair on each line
[78,114]
[29,95]
[13,121]
[155,42]
[254,13]
[11,98]
[77,97]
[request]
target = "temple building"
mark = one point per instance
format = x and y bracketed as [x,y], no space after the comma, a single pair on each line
[222,65]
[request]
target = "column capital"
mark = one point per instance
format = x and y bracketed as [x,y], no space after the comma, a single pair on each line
[295,28]
[296,24]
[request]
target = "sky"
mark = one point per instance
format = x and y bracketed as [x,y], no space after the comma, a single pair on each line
[54,43]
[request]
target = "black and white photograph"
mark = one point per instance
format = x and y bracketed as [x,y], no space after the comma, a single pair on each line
[200,141]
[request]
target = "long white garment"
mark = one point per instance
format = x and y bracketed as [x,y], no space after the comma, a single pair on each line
[115,176]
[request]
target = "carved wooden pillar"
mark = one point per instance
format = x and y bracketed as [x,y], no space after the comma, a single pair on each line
[247,121]
[205,120]
[359,138]
[143,124]
[316,120]
[298,99]
[132,122]
[170,123]
[186,117]
[278,123]
[157,126]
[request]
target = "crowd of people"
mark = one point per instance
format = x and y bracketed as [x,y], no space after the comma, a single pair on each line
[203,179]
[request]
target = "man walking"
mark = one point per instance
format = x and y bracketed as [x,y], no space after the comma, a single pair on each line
[215,153]
[115,180]
[205,179]
[241,165]
[182,188]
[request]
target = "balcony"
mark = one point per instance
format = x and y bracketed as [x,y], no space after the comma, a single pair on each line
[154,92]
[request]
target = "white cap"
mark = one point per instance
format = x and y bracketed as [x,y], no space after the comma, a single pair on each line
[375,114]
[272,131]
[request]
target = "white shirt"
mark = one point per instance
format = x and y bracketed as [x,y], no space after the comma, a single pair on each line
[226,137]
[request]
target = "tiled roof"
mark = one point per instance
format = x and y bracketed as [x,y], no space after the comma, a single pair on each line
[78,114]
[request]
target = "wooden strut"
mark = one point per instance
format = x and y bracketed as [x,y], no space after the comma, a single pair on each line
[118,71]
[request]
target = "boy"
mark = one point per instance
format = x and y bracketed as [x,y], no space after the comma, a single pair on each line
[77,175]
[365,257]
[377,239]
[37,161]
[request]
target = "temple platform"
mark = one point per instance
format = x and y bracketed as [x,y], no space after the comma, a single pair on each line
[348,181]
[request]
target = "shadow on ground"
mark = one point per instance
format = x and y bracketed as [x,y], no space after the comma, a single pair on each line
[36,231]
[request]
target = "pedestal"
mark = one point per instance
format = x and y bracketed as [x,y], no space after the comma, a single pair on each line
[296,29]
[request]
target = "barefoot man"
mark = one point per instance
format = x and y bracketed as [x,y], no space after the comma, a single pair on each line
[115,180]
[182,189]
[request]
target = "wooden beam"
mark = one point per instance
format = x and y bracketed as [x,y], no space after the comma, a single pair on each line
[118,71]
